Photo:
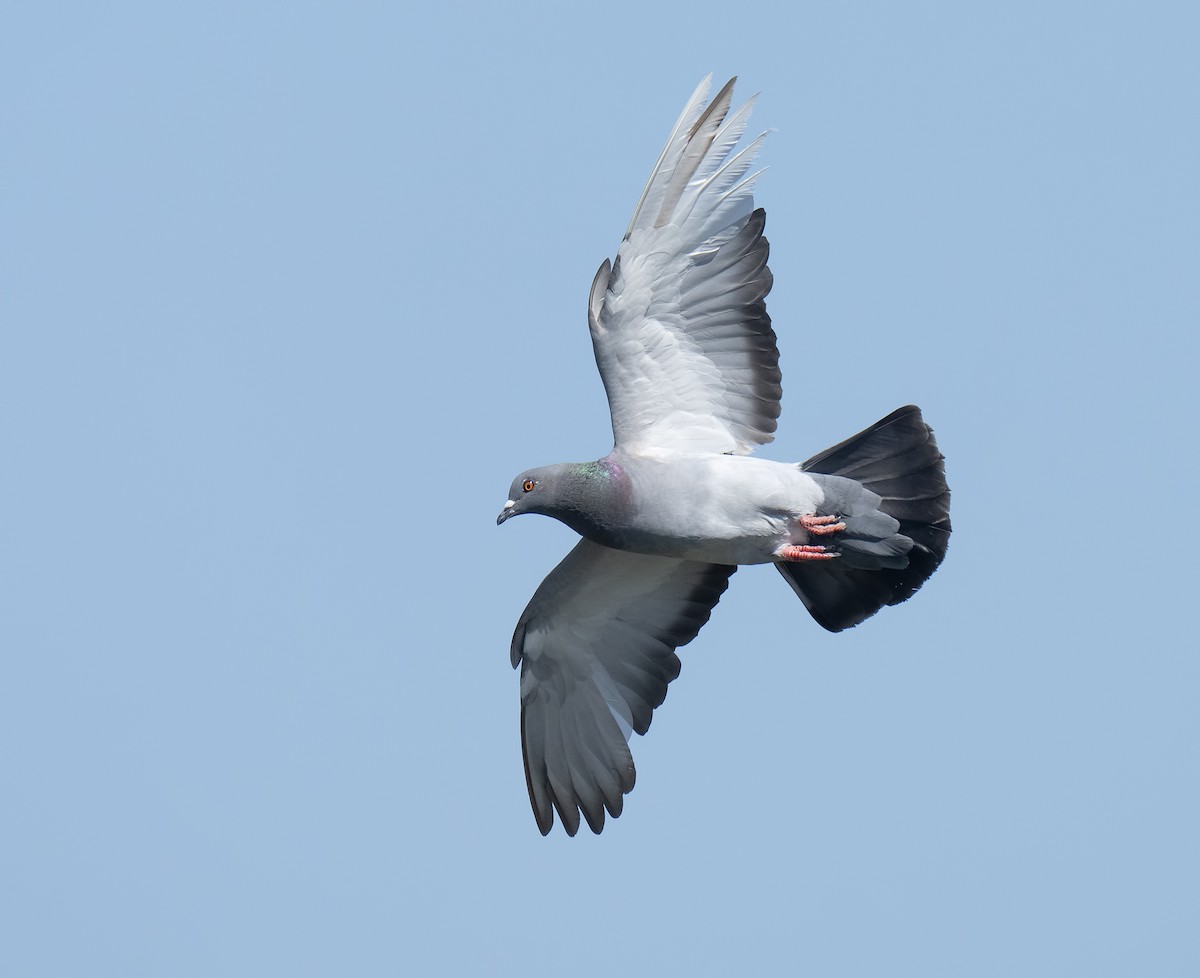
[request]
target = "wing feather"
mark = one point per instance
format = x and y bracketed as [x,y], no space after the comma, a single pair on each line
[652,194]
[695,149]
[596,647]
[678,321]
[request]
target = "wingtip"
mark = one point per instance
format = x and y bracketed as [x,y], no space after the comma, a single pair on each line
[570,826]
[717,108]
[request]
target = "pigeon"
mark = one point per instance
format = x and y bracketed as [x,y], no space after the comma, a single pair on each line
[690,365]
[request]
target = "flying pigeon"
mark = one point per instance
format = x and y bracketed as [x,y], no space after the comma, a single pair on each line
[690,365]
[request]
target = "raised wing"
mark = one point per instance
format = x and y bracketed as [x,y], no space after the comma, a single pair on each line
[679,322]
[596,648]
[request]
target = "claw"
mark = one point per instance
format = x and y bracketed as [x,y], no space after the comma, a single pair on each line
[821,526]
[805,552]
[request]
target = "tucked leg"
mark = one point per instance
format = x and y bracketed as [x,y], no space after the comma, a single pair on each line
[805,552]
[821,526]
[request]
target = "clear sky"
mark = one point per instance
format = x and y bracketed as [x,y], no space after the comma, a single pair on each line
[288,295]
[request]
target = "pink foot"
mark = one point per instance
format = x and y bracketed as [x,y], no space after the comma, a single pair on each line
[821,526]
[804,552]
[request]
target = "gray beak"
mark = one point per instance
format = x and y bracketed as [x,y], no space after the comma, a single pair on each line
[506,512]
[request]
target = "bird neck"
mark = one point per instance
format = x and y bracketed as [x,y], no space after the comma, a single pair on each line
[595,499]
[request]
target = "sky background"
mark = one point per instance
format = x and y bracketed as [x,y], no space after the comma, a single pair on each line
[290,292]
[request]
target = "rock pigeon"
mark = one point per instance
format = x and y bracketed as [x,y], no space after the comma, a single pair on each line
[690,365]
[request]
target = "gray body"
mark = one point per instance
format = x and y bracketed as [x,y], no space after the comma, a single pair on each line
[722,509]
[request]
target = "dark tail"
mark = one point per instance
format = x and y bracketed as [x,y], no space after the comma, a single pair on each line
[896,459]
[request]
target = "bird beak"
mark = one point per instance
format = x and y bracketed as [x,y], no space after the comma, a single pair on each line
[506,512]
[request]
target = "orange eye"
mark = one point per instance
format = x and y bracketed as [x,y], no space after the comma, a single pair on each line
[528,486]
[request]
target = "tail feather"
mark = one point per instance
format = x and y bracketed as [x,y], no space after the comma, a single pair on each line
[898,460]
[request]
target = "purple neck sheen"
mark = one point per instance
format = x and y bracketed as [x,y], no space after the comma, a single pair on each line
[600,501]
[612,472]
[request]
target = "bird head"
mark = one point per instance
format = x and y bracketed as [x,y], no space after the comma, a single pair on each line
[533,491]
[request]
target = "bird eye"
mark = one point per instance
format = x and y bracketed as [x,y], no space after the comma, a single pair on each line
[528,486]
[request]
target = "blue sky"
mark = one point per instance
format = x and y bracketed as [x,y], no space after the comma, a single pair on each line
[289,293]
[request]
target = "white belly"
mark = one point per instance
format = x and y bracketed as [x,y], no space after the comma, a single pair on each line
[727,509]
